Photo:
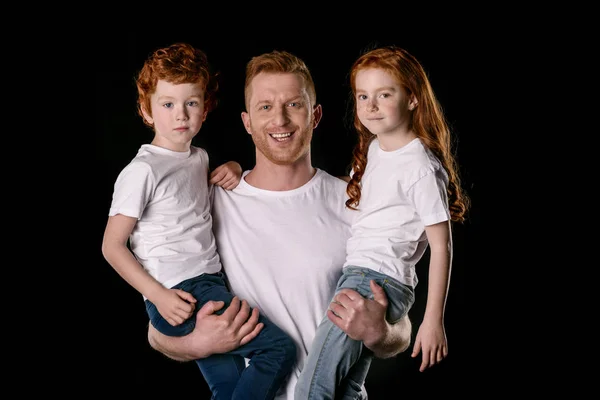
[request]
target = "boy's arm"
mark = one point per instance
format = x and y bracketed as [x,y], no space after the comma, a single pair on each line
[226,175]
[115,251]
[431,337]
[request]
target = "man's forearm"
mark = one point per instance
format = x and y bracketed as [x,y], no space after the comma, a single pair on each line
[394,341]
[176,348]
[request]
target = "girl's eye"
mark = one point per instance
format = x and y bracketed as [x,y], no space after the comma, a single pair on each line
[192,103]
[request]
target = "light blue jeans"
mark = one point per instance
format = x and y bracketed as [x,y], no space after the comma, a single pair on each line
[337,365]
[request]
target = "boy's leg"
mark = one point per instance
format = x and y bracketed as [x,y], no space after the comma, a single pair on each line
[272,355]
[221,371]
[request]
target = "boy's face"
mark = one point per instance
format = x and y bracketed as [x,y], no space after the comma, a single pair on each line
[177,114]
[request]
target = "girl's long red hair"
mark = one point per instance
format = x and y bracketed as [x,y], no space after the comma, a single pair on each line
[428,123]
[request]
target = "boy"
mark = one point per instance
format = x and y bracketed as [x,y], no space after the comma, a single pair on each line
[161,204]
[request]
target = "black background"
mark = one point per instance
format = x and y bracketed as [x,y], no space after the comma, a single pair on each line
[457,69]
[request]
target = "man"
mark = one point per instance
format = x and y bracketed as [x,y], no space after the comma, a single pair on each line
[282,233]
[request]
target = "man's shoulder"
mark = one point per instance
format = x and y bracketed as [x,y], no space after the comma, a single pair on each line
[330,180]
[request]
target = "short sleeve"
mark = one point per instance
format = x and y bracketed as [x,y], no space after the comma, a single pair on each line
[133,190]
[430,198]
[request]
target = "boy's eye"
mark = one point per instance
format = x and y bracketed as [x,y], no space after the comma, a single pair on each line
[168,105]
[192,103]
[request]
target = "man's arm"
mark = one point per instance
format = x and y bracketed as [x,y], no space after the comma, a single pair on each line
[364,319]
[213,333]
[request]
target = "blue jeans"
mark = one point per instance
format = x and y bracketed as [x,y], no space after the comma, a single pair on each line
[337,365]
[272,353]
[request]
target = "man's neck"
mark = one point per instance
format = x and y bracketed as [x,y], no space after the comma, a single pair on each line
[269,176]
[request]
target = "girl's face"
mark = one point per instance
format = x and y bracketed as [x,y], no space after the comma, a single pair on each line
[382,104]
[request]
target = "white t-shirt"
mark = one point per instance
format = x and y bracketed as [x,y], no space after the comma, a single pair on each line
[167,192]
[283,252]
[402,191]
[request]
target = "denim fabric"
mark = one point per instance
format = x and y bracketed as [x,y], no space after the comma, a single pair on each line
[337,365]
[272,353]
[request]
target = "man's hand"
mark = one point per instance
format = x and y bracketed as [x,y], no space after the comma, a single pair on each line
[363,319]
[213,334]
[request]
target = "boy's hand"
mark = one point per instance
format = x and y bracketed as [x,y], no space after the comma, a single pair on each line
[175,305]
[227,175]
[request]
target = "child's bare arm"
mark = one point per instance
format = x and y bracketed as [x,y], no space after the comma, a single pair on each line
[227,175]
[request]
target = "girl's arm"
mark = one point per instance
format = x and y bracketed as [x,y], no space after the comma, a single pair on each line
[431,337]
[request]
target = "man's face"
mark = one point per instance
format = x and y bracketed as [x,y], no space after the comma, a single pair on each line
[280,117]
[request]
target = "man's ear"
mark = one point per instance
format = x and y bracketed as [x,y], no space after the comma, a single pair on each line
[246,121]
[317,115]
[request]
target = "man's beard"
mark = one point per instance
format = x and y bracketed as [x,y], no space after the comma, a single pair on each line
[288,155]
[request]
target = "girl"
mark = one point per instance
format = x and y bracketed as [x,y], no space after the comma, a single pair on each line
[405,189]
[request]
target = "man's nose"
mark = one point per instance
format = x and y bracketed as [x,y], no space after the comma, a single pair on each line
[280,116]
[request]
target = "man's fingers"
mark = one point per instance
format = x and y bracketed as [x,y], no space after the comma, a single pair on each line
[242,314]
[378,294]
[209,308]
[233,309]
[252,334]
[249,330]
[345,293]
[337,309]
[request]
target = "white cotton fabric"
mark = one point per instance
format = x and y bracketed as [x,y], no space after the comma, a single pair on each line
[402,191]
[167,191]
[284,251]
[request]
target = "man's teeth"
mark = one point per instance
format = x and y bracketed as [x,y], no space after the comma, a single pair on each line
[281,135]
